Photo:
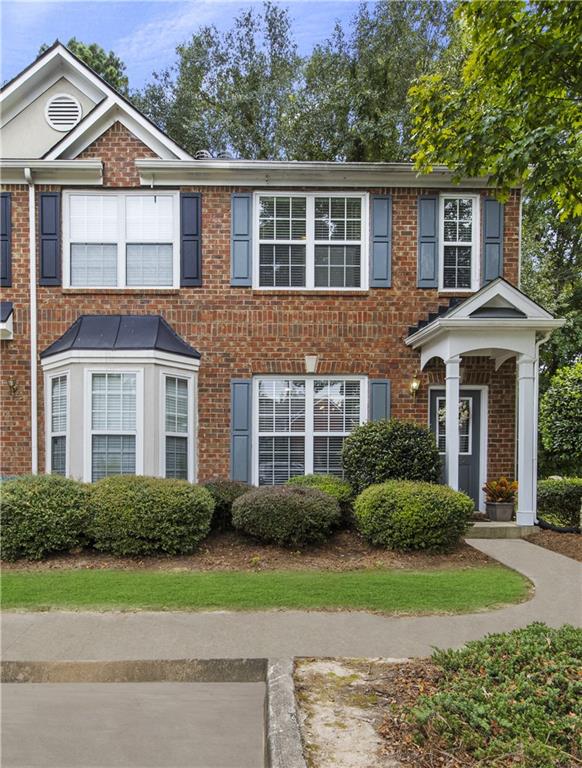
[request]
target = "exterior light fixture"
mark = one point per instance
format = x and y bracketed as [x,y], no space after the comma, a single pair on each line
[414,386]
[311,363]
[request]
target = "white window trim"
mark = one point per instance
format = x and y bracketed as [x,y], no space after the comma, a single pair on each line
[165,374]
[139,418]
[310,241]
[48,409]
[475,242]
[308,433]
[121,239]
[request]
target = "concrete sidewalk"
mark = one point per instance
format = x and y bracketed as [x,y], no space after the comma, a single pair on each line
[146,635]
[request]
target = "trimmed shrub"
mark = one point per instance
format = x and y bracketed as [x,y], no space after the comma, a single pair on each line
[135,516]
[404,515]
[224,492]
[560,501]
[42,514]
[288,515]
[340,489]
[560,422]
[390,450]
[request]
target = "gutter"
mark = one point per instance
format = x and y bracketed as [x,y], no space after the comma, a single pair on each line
[33,322]
[70,172]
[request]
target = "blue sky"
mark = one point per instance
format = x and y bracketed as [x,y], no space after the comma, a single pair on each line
[144,34]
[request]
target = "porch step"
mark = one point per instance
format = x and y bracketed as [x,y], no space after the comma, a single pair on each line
[492,530]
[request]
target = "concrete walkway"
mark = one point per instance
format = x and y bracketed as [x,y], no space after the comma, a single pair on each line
[146,635]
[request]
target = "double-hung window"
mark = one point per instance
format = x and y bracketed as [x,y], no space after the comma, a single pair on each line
[459,242]
[58,393]
[311,241]
[121,240]
[301,424]
[114,424]
[177,427]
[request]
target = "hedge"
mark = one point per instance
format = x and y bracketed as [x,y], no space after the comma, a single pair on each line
[42,515]
[404,515]
[136,516]
[560,501]
[224,493]
[288,515]
[334,486]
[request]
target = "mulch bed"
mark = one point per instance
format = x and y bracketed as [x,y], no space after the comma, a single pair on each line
[569,544]
[229,551]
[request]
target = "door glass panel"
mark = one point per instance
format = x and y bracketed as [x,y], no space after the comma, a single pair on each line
[465,419]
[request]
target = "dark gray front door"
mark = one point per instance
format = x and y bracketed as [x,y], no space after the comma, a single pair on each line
[469,436]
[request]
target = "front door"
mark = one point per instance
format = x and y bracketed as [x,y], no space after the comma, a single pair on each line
[469,437]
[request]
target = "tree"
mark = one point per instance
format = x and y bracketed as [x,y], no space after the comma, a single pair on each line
[561,417]
[513,112]
[109,66]
[229,91]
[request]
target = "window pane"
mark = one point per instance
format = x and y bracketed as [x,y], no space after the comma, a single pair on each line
[280,458]
[337,266]
[282,266]
[59,404]
[176,404]
[282,218]
[149,264]
[149,218]
[457,266]
[177,457]
[59,455]
[93,218]
[327,456]
[465,404]
[338,218]
[113,405]
[336,406]
[93,264]
[112,455]
[281,406]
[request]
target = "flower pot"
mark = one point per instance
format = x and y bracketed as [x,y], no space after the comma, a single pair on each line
[499,511]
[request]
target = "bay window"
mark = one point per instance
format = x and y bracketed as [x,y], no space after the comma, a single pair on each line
[121,240]
[58,395]
[177,427]
[459,238]
[310,240]
[301,424]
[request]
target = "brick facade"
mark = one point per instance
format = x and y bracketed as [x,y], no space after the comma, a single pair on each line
[241,332]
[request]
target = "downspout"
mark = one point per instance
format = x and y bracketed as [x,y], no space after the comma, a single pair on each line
[539,343]
[33,321]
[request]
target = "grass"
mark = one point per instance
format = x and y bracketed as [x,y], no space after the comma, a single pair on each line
[386,591]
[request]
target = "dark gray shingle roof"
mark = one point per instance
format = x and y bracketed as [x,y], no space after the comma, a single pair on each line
[119,332]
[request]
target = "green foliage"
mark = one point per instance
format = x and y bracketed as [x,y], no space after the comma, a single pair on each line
[502,490]
[109,66]
[333,486]
[42,514]
[561,417]
[135,516]
[512,111]
[405,515]
[560,501]
[287,515]
[390,450]
[224,492]
[509,699]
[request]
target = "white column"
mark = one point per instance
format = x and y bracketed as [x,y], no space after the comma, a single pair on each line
[453,365]
[526,443]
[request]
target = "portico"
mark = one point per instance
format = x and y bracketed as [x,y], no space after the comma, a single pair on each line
[499,322]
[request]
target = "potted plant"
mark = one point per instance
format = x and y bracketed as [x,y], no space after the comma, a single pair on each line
[500,498]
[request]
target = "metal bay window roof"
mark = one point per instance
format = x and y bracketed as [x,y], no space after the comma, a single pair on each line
[121,332]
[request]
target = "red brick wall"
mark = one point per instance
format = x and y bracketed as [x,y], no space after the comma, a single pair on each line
[242,332]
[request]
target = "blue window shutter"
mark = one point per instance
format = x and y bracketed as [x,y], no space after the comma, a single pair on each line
[50,238]
[492,239]
[5,241]
[240,429]
[190,239]
[241,239]
[428,259]
[378,399]
[381,250]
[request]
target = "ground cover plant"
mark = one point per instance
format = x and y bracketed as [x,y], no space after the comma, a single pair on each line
[389,591]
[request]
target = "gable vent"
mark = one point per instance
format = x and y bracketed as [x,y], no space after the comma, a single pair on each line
[63,112]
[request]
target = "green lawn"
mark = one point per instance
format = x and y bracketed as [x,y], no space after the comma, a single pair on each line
[388,591]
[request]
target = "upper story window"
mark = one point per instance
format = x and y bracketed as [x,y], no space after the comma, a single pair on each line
[310,240]
[121,240]
[459,243]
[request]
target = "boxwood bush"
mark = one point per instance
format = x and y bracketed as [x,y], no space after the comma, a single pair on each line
[559,501]
[405,515]
[334,486]
[41,515]
[390,450]
[288,515]
[135,516]
[224,492]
